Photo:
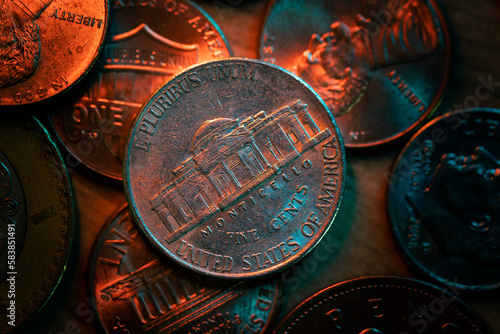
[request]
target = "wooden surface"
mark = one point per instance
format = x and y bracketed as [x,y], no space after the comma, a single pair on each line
[360,242]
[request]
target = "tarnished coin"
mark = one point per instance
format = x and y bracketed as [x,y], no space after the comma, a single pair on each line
[149,41]
[36,219]
[234,168]
[374,305]
[46,46]
[444,199]
[136,291]
[380,65]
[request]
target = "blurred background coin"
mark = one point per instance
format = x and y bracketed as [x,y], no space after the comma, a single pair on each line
[147,44]
[375,305]
[380,65]
[234,168]
[46,46]
[444,199]
[36,219]
[137,291]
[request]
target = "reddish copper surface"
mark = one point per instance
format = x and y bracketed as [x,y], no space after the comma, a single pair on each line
[136,289]
[47,46]
[146,45]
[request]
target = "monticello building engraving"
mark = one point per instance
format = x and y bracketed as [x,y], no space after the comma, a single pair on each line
[229,159]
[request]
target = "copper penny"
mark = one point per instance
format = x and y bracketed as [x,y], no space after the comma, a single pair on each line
[444,199]
[36,219]
[137,291]
[46,46]
[381,66]
[149,41]
[376,305]
[234,168]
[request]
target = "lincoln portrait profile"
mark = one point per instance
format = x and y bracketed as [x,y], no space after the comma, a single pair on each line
[461,206]
[337,64]
[19,39]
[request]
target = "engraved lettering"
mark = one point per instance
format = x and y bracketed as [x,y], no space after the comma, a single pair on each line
[335,316]
[246,75]
[232,213]
[123,241]
[77,18]
[175,7]
[244,237]
[58,84]
[254,321]
[230,71]
[375,307]
[41,92]
[289,212]
[203,258]
[294,244]
[114,263]
[209,35]
[405,90]
[116,245]
[481,127]
[271,256]
[215,324]
[257,260]
[29,96]
[247,265]
[147,125]
[43,215]
[309,227]
[329,184]
[207,232]
[142,145]
[358,135]
[450,328]
[195,81]
[171,94]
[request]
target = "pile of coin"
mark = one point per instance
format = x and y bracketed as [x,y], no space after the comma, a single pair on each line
[234,169]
